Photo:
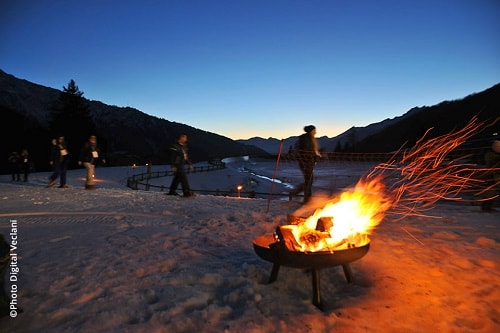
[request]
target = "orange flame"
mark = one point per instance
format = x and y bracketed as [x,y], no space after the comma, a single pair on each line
[350,219]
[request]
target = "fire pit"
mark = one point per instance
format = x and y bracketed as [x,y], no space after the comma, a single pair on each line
[334,235]
[277,248]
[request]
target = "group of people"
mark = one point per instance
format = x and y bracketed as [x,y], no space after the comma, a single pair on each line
[306,152]
[19,163]
[89,156]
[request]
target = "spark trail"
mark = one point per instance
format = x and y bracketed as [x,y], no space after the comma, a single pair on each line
[431,171]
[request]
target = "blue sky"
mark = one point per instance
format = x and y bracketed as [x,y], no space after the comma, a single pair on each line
[245,68]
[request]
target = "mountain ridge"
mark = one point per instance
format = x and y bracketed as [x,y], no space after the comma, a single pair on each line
[484,104]
[132,136]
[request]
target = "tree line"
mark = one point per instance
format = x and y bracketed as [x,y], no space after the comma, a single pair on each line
[69,116]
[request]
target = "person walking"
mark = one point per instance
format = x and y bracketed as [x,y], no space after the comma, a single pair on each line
[492,160]
[25,164]
[307,155]
[59,159]
[90,155]
[179,157]
[15,166]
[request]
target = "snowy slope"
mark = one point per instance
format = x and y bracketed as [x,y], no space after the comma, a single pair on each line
[117,260]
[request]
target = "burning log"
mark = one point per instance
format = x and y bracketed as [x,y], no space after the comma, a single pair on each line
[315,238]
[324,224]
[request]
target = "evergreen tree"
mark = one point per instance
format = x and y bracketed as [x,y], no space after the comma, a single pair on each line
[71,118]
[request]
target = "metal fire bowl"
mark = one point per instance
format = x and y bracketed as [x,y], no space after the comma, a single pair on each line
[269,249]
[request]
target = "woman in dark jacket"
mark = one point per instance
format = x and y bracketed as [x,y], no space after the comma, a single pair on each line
[59,161]
[307,156]
[25,164]
[179,156]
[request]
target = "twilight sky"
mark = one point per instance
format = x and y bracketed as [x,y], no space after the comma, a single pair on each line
[242,68]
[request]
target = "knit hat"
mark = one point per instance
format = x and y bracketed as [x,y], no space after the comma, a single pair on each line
[309,128]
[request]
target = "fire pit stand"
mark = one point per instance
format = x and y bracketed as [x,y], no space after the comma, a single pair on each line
[273,249]
[316,286]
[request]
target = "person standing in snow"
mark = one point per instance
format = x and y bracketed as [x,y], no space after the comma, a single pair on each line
[14,165]
[307,156]
[90,155]
[492,160]
[59,161]
[25,164]
[179,157]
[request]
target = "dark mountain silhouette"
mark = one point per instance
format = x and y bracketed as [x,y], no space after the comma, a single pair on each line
[391,134]
[131,136]
[272,145]
[442,118]
[126,134]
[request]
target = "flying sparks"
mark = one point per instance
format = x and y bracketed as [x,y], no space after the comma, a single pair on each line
[432,171]
[410,183]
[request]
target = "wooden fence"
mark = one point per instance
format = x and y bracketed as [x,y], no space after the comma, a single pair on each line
[141,181]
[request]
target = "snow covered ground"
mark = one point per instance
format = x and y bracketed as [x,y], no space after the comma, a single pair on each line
[118,260]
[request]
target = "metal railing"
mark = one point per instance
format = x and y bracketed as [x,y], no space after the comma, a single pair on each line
[141,180]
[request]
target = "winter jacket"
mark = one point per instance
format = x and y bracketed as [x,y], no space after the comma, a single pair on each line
[307,148]
[179,155]
[90,154]
[59,153]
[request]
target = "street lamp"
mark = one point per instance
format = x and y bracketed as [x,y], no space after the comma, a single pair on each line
[239,190]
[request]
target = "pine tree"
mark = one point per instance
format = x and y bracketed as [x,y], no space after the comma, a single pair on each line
[72,119]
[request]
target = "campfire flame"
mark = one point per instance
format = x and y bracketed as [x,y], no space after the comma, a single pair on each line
[418,178]
[344,222]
